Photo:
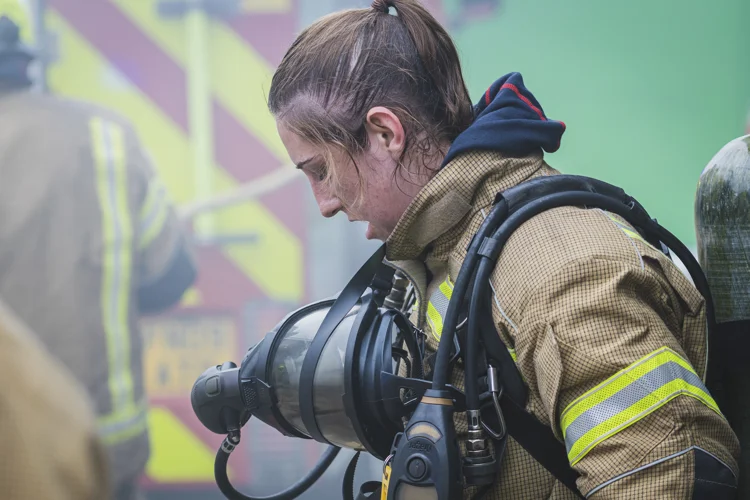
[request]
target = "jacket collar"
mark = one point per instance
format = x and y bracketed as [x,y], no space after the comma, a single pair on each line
[432,223]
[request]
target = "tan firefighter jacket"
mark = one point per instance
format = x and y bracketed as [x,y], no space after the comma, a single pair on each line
[86,226]
[48,435]
[607,333]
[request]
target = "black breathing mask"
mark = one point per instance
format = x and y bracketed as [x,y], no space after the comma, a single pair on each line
[344,371]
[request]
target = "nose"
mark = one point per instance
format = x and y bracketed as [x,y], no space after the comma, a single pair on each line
[328,205]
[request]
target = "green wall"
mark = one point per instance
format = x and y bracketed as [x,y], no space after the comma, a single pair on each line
[650,89]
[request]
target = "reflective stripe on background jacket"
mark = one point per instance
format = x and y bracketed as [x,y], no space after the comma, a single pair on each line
[608,334]
[84,222]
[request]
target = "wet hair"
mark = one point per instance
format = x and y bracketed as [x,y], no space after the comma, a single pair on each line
[394,54]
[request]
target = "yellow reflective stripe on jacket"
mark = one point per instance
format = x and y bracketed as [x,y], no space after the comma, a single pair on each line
[153,215]
[437,307]
[123,425]
[627,229]
[108,150]
[628,396]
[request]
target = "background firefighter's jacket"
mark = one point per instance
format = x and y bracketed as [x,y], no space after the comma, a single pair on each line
[48,431]
[88,242]
[608,334]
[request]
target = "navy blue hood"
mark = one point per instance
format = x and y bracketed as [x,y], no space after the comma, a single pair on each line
[508,119]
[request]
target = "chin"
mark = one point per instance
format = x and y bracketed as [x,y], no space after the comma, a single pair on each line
[376,237]
[374,234]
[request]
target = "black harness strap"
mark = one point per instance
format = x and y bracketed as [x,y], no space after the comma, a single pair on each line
[538,440]
[534,436]
[373,273]
[370,490]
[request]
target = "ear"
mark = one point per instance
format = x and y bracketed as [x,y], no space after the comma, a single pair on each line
[385,131]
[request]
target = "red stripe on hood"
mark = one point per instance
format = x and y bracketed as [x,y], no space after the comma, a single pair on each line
[524,99]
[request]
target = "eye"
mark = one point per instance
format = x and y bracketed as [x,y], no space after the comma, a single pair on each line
[319,172]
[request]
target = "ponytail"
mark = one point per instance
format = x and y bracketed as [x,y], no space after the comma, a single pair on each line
[438,55]
[394,54]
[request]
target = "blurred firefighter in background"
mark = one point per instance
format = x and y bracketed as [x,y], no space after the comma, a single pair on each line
[88,243]
[50,448]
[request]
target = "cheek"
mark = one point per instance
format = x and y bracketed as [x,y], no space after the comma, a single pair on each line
[317,188]
[382,187]
[379,200]
[389,199]
[321,190]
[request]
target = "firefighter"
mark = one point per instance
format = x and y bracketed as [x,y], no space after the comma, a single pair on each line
[90,242]
[50,447]
[606,331]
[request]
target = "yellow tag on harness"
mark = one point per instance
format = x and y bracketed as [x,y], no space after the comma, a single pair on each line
[386,479]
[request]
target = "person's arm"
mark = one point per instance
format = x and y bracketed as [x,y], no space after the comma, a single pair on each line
[48,432]
[619,390]
[167,265]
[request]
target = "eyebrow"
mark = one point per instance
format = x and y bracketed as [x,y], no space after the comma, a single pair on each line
[305,162]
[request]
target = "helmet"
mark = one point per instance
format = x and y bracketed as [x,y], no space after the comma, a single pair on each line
[16,41]
[16,27]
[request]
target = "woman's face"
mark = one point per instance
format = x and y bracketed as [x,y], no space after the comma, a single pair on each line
[384,196]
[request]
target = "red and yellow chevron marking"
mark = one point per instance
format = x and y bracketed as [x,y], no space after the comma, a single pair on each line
[114,53]
[182,450]
[177,349]
[179,456]
[240,77]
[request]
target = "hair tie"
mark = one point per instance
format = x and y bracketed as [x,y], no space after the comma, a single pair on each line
[385,6]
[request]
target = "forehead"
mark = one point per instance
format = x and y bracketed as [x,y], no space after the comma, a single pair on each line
[298,148]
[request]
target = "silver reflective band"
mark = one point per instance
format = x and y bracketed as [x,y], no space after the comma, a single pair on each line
[437,307]
[627,397]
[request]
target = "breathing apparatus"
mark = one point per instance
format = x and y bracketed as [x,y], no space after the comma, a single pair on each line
[350,371]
